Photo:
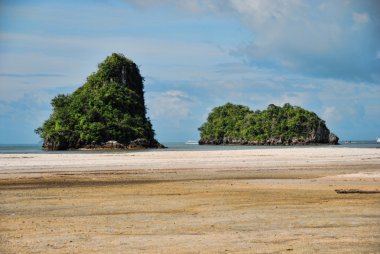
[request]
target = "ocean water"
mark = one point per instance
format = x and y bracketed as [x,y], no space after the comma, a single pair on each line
[179,146]
[182,146]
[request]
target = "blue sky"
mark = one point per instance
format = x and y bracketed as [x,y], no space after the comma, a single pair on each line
[322,55]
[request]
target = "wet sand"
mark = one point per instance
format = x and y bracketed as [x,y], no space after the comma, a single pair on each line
[240,201]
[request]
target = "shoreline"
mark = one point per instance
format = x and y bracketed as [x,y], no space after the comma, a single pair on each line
[238,201]
[192,159]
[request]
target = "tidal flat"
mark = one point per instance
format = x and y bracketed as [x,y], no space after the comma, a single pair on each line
[281,200]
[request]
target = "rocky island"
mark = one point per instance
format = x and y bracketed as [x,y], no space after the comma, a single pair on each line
[288,125]
[108,111]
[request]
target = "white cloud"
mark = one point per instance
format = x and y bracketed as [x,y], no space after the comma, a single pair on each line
[172,106]
[294,98]
[182,60]
[262,12]
[360,18]
[194,6]
[316,38]
[332,115]
[261,101]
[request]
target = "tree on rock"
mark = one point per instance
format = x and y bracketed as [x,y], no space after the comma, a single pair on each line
[109,106]
[287,125]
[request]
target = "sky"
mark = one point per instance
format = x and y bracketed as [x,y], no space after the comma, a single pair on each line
[195,55]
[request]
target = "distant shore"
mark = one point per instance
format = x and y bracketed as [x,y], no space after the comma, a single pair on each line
[240,201]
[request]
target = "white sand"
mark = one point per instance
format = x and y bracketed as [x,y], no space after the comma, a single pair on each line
[162,159]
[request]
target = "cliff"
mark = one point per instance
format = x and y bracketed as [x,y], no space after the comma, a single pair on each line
[108,111]
[288,125]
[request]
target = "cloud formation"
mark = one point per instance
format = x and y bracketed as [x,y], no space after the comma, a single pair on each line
[316,38]
[173,106]
[195,55]
[360,18]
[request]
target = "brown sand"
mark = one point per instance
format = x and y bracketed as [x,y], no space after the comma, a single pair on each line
[242,201]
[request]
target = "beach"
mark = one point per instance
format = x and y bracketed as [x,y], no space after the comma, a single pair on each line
[280,200]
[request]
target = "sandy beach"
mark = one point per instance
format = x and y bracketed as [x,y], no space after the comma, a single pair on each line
[281,200]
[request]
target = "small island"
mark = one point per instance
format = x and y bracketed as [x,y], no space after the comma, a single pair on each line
[107,112]
[232,124]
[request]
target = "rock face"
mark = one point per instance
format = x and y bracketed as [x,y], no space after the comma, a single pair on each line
[53,145]
[318,138]
[107,112]
[288,125]
[111,144]
[333,139]
[141,143]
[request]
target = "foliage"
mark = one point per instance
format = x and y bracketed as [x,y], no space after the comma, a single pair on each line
[109,106]
[239,122]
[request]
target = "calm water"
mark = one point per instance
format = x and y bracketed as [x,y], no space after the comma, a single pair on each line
[179,146]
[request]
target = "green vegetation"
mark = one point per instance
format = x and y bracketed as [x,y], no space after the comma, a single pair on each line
[109,106]
[237,124]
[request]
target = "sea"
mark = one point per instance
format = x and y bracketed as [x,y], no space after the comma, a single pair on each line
[176,146]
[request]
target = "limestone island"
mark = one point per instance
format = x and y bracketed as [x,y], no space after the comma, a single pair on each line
[107,112]
[288,125]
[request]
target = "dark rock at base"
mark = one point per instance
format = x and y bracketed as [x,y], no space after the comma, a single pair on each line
[211,142]
[142,143]
[112,144]
[160,146]
[139,143]
[333,139]
[54,145]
